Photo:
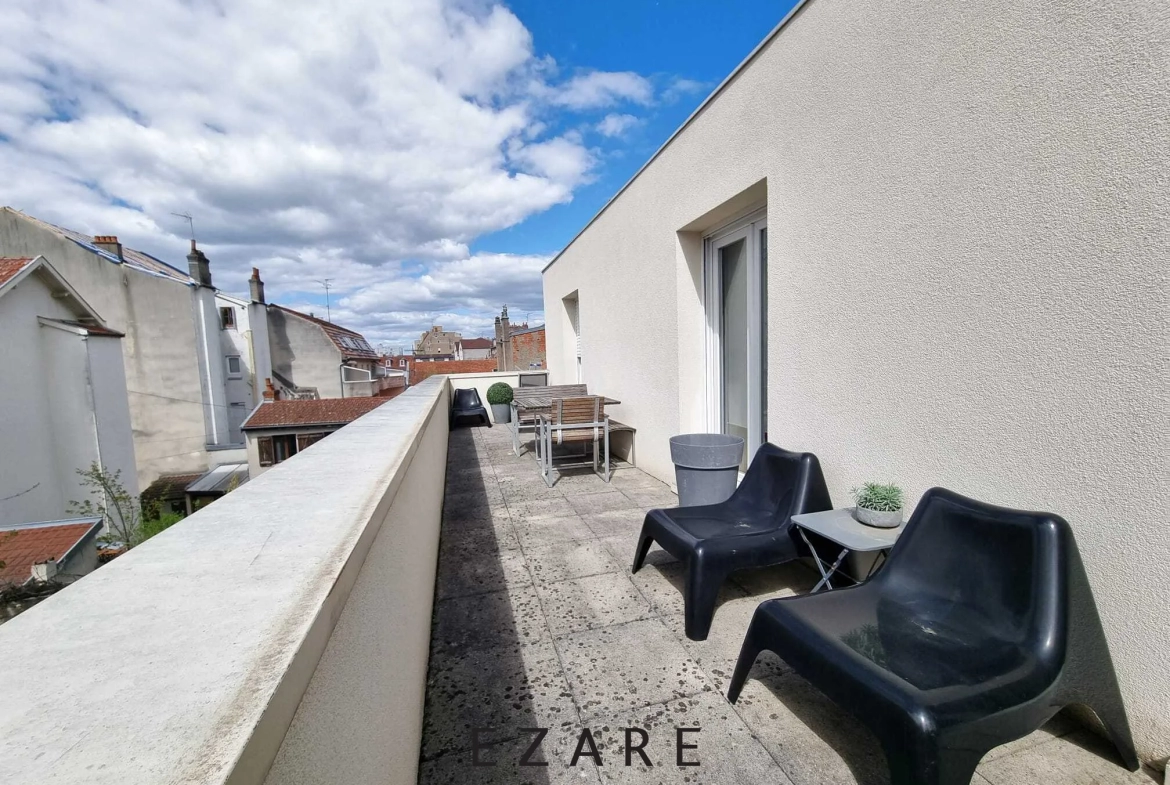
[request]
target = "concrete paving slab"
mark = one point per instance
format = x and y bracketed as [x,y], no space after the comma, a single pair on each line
[628,666]
[592,602]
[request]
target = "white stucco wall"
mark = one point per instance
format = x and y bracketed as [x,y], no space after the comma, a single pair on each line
[64,407]
[967,274]
[360,721]
[159,354]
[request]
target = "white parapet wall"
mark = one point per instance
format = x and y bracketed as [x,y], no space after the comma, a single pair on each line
[281,632]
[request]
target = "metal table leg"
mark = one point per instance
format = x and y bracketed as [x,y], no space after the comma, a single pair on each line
[825,576]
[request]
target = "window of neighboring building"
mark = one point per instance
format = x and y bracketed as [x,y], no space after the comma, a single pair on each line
[234,368]
[227,318]
[274,449]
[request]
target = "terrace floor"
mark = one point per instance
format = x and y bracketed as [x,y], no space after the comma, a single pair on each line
[538,623]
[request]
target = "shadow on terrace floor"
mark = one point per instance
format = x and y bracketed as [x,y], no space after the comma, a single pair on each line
[538,623]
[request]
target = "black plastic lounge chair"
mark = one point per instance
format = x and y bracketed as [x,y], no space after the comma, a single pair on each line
[751,529]
[466,403]
[979,628]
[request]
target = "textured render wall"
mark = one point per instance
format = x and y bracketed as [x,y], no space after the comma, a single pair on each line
[302,353]
[158,352]
[111,408]
[30,483]
[967,231]
[360,721]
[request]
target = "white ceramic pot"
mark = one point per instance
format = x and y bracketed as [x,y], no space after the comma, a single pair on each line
[882,520]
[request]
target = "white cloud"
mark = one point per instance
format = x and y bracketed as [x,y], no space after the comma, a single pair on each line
[599,89]
[681,88]
[616,124]
[355,141]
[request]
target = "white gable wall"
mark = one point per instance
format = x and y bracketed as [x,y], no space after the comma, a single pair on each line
[966,274]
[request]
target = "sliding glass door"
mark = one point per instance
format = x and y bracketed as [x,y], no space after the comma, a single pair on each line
[736,262]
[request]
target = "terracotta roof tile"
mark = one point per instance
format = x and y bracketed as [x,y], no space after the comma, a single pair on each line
[10,266]
[327,411]
[24,545]
[477,343]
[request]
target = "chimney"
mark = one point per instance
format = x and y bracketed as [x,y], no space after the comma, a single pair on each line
[109,243]
[45,571]
[199,266]
[256,286]
[270,392]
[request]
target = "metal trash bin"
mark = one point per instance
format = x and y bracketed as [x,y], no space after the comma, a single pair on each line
[706,467]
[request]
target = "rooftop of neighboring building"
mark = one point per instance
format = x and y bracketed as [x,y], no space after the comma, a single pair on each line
[526,329]
[24,544]
[11,266]
[139,260]
[477,343]
[326,411]
[352,345]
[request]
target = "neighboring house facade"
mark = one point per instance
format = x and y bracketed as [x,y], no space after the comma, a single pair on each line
[528,349]
[64,397]
[478,348]
[278,430]
[439,344]
[421,371]
[312,356]
[247,353]
[170,353]
[925,265]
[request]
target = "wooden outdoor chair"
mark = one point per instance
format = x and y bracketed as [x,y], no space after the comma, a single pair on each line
[580,419]
[522,419]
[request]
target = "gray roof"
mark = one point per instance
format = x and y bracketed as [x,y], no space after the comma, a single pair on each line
[219,479]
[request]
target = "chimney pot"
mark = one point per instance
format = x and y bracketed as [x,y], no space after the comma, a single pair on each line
[108,243]
[256,286]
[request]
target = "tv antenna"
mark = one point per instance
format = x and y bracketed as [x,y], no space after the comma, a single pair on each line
[328,313]
[191,223]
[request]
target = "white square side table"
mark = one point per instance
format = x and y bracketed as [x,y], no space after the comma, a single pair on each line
[839,526]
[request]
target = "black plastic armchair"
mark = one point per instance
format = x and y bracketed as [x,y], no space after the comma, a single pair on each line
[751,529]
[467,403]
[980,627]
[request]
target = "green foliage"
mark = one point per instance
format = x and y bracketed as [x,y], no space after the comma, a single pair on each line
[110,501]
[500,392]
[878,497]
[153,526]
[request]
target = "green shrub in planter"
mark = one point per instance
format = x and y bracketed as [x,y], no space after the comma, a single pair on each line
[500,393]
[878,505]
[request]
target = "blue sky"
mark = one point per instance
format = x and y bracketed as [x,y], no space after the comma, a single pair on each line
[688,39]
[427,156]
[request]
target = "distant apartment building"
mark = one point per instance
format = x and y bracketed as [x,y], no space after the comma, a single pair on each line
[518,347]
[278,430]
[438,344]
[478,348]
[64,397]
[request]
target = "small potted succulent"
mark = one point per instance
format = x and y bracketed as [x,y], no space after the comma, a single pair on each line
[499,396]
[878,505]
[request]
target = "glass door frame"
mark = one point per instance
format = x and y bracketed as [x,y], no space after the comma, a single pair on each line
[748,228]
